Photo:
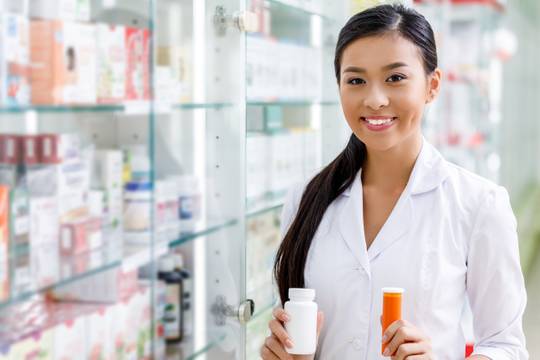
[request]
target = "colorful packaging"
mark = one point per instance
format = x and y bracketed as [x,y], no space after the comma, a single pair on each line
[10,157]
[39,345]
[99,330]
[80,236]
[14,60]
[138,66]
[4,222]
[4,239]
[111,71]
[63,56]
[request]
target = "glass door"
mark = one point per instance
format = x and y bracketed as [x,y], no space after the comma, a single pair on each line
[198,147]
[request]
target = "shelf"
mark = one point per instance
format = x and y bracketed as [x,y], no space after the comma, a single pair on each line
[127,108]
[293,103]
[299,9]
[185,351]
[207,230]
[68,270]
[268,204]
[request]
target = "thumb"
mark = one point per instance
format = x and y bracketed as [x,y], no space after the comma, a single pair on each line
[320,322]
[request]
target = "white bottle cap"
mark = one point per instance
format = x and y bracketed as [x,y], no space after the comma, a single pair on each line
[179,261]
[166,264]
[393,290]
[301,294]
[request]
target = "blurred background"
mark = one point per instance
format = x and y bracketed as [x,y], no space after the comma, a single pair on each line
[146,147]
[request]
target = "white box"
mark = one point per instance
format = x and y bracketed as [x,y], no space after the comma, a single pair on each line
[60,9]
[111,63]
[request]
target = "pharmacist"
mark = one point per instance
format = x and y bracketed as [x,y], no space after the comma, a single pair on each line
[390,211]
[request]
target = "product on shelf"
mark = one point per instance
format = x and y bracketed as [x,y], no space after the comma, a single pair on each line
[107,176]
[63,56]
[173,315]
[10,158]
[57,165]
[4,241]
[105,287]
[137,211]
[138,65]
[79,236]
[20,237]
[14,60]
[296,75]
[187,293]
[111,65]
[174,73]
[14,7]
[189,202]
[60,9]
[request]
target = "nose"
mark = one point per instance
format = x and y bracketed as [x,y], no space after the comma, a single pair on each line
[376,99]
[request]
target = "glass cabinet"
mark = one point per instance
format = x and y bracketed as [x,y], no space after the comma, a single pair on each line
[146,147]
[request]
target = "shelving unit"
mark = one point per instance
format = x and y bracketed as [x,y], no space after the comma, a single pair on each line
[152,161]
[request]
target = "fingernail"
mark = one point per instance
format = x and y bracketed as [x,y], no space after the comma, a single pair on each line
[286,317]
[289,343]
[384,338]
[386,352]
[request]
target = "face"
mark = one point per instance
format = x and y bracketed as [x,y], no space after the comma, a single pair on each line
[384,89]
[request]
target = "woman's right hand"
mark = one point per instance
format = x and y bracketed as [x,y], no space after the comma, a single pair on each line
[274,345]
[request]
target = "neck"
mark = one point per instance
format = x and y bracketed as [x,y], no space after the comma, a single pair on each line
[389,170]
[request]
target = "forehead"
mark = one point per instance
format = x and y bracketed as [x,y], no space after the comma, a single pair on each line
[374,52]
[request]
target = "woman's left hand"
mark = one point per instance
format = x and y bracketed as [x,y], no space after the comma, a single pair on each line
[405,341]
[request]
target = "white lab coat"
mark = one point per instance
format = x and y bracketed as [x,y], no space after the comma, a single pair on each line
[452,234]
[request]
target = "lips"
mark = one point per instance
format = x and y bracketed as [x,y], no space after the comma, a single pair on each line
[379,123]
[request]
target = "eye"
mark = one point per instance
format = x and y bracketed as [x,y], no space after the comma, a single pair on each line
[396,78]
[355,81]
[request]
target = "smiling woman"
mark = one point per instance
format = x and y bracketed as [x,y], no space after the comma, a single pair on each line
[390,211]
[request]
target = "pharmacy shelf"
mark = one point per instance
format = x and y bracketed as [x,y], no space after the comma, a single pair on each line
[268,204]
[185,350]
[202,231]
[138,107]
[69,270]
[292,8]
[299,103]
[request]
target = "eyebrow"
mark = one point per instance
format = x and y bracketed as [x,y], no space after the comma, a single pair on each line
[385,68]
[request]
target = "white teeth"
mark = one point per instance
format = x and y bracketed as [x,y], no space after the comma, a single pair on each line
[379,122]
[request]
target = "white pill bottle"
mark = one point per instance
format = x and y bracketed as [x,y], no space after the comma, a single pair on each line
[302,326]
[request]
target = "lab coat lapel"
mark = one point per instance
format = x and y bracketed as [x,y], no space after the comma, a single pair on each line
[429,171]
[351,223]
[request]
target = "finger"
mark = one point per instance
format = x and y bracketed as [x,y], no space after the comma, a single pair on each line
[277,348]
[404,351]
[392,328]
[267,354]
[281,315]
[419,357]
[280,333]
[402,335]
[320,322]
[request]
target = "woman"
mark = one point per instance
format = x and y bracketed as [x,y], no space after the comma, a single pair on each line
[389,211]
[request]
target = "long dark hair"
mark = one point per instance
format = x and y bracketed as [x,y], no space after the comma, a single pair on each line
[327,185]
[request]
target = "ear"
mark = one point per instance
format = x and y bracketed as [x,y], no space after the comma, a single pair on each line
[433,85]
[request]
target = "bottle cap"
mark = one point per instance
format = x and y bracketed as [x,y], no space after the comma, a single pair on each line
[178,261]
[393,290]
[301,294]
[166,264]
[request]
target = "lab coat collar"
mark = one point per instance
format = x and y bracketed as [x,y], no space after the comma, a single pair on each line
[428,173]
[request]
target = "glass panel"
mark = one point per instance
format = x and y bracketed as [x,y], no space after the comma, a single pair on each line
[76,179]
[199,153]
[294,127]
